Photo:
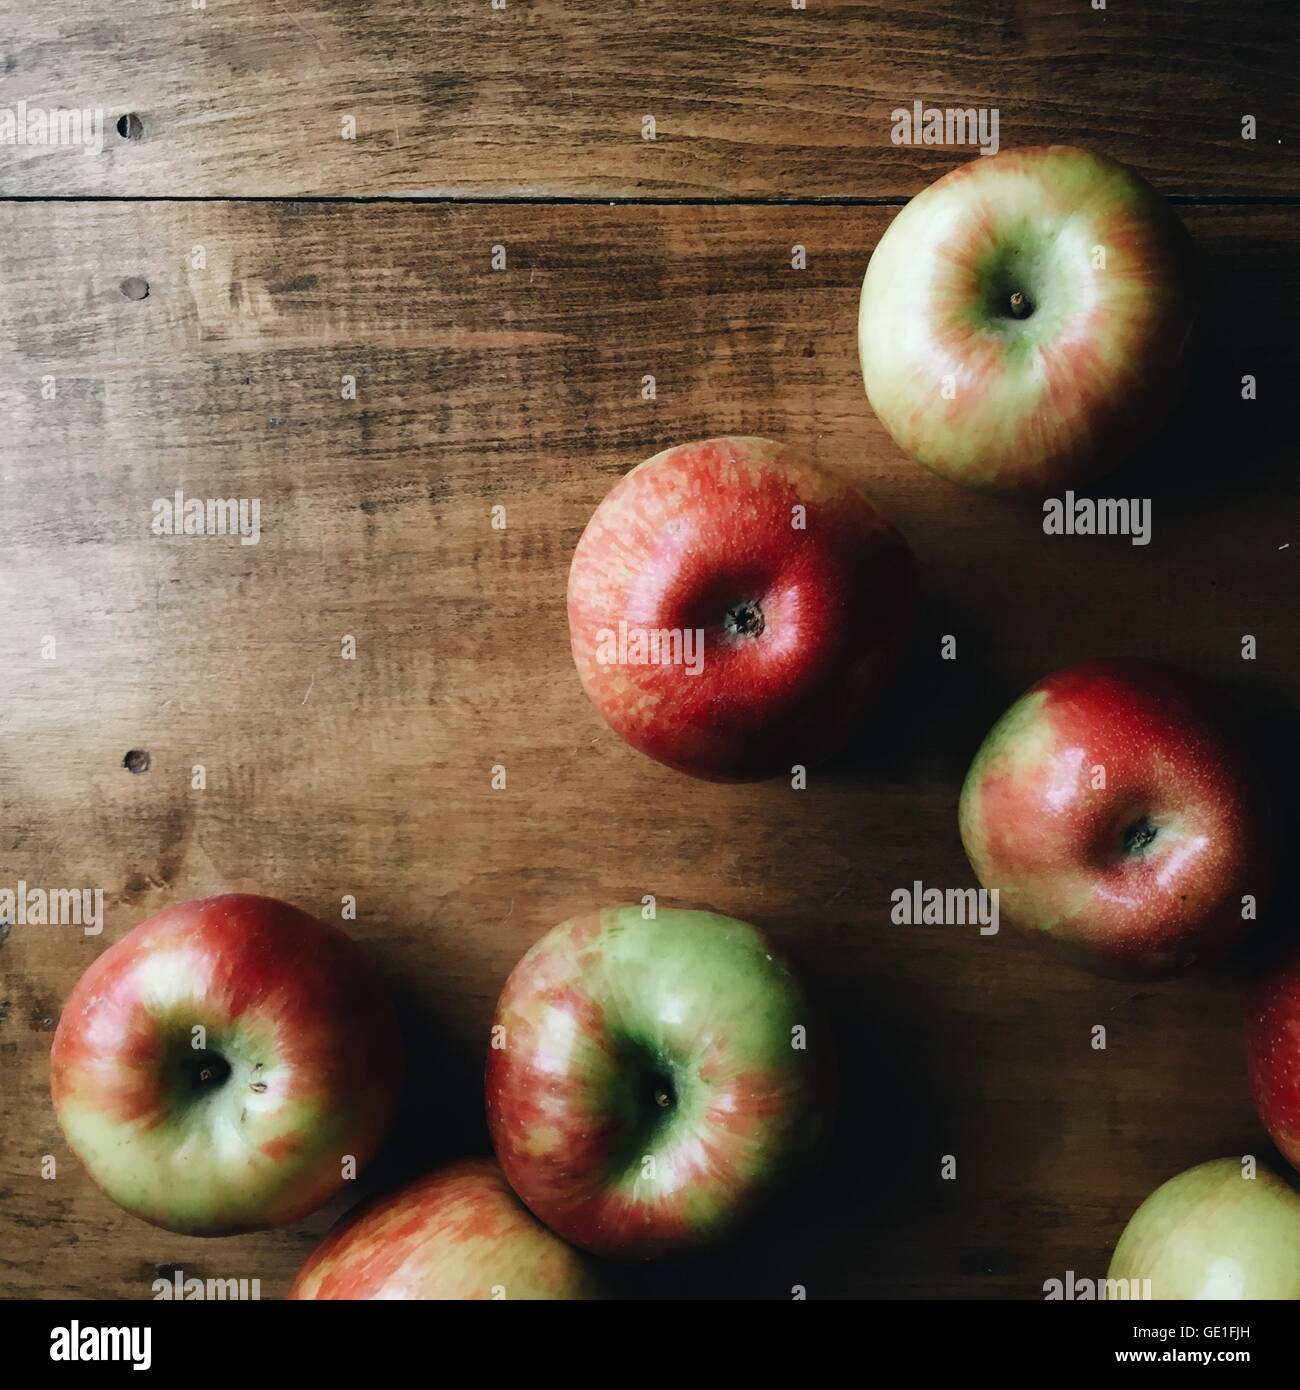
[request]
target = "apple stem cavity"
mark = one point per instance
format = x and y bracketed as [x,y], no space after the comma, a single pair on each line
[743,619]
[1139,835]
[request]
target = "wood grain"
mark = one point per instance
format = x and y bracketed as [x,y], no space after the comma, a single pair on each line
[752,98]
[523,387]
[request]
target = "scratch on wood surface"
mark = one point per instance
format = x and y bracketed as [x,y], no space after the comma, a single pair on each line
[840,891]
[315,38]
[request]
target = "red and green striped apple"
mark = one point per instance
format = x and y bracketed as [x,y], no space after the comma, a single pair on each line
[1024,321]
[651,1082]
[1113,808]
[215,1067]
[457,1234]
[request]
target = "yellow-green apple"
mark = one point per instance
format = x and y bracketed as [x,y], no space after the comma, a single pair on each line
[459,1233]
[1024,320]
[1113,808]
[1273,1047]
[733,607]
[1213,1232]
[651,1082]
[215,1068]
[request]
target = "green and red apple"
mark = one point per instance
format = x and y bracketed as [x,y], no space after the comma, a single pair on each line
[1215,1232]
[1024,321]
[734,608]
[1114,808]
[457,1234]
[225,1065]
[651,1082]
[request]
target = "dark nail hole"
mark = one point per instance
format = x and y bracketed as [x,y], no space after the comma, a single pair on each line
[135,288]
[4,930]
[137,760]
[130,126]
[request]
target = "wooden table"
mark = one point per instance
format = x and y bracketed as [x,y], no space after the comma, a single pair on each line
[280,258]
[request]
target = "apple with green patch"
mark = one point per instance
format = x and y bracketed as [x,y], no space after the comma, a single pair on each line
[459,1233]
[1221,1230]
[216,1069]
[652,1081]
[1114,807]
[1024,321]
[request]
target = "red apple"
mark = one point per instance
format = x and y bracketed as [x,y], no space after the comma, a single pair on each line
[457,1234]
[1273,1044]
[733,608]
[215,1067]
[1024,320]
[1113,808]
[651,1082]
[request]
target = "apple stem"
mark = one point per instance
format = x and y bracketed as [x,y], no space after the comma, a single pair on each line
[743,619]
[212,1071]
[1139,835]
[1019,305]
[665,1095]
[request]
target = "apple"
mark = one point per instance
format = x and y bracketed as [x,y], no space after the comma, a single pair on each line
[733,608]
[1213,1233]
[652,1081]
[459,1233]
[215,1067]
[1273,1047]
[1113,808]
[1024,320]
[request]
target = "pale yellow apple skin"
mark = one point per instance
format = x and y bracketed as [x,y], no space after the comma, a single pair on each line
[1212,1233]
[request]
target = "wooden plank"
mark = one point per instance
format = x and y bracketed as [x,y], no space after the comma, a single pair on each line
[523,387]
[754,99]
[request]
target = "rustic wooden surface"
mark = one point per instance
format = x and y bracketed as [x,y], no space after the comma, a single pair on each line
[523,387]
[372,777]
[749,97]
